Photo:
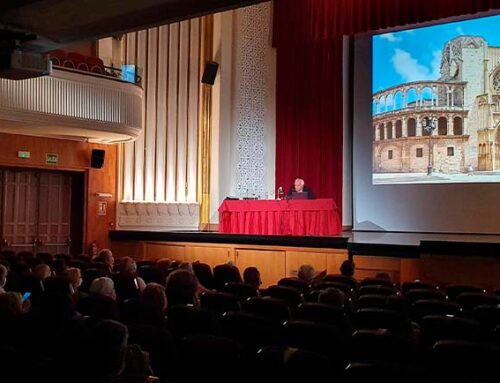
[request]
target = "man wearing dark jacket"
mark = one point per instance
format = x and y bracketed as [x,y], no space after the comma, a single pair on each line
[299,187]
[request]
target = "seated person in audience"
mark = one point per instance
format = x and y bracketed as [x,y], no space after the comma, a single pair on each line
[73,276]
[299,186]
[101,303]
[59,266]
[42,272]
[154,300]
[106,256]
[181,288]
[332,296]
[251,276]
[347,268]
[308,274]
[137,366]
[3,278]
[127,284]
[164,264]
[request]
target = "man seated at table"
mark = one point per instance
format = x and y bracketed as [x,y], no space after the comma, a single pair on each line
[299,187]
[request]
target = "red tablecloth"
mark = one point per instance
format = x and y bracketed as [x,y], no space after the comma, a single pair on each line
[283,217]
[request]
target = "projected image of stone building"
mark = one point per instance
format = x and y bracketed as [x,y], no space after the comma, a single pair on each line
[447,126]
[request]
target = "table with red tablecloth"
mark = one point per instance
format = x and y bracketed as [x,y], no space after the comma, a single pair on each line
[279,217]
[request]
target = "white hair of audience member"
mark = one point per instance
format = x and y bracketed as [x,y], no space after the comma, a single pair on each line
[3,277]
[103,286]
[306,273]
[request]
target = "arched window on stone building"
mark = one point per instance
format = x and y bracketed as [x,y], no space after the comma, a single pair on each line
[399,129]
[381,105]
[398,100]
[411,98]
[381,128]
[389,103]
[389,130]
[412,127]
[457,126]
[442,126]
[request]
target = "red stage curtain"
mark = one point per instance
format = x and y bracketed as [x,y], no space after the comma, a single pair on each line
[308,37]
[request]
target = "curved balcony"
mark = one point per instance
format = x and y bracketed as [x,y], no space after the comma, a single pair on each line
[72,105]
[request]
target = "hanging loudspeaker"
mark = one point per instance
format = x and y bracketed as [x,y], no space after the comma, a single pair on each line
[97,158]
[209,73]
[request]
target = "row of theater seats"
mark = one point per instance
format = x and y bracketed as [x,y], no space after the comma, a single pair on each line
[77,61]
[294,331]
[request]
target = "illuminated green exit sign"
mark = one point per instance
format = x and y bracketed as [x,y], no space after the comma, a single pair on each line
[23,154]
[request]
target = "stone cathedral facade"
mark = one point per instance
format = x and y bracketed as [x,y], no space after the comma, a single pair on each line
[463,106]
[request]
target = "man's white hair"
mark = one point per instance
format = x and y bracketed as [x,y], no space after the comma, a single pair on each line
[299,180]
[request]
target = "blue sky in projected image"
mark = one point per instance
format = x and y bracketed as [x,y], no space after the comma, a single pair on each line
[415,54]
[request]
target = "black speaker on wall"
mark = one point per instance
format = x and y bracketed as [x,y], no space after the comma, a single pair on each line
[97,158]
[210,73]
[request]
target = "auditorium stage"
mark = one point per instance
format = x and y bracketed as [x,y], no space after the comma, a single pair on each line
[406,245]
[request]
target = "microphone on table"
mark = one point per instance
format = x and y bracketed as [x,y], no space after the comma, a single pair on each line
[280,192]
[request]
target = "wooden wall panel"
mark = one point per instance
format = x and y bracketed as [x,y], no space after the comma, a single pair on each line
[132,249]
[295,259]
[154,251]
[72,156]
[211,255]
[368,267]
[474,270]
[333,262]
[271,264]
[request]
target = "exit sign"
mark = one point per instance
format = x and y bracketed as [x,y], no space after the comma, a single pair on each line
[23,154]
[51,159]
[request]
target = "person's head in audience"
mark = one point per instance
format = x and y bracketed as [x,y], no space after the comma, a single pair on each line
[251,276]
[42,271]
[93,250]
[11,306]
[306,273]
[106,256]
[59,266]
[3,277]
[74,277]
[103,286]
[154,296]
[127,267]
[332,296]
[181,287]
[164,264]
[137,365]
[186,266]
[108,347]
[347,268]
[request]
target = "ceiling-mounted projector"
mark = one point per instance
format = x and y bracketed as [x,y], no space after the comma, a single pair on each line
[19,65]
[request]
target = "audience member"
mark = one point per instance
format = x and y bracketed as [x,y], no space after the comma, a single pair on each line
[333,297]
[347,268]
[251,276]
[106,256]
[306,273]
[154,296]
[181,288]
[3,278]
[42,272]
[103,286]
[73,276]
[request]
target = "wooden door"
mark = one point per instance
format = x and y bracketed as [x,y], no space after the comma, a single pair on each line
[19,210]
[54,212]
[35,211]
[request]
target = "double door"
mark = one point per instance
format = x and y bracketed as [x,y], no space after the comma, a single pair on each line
[35,211]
